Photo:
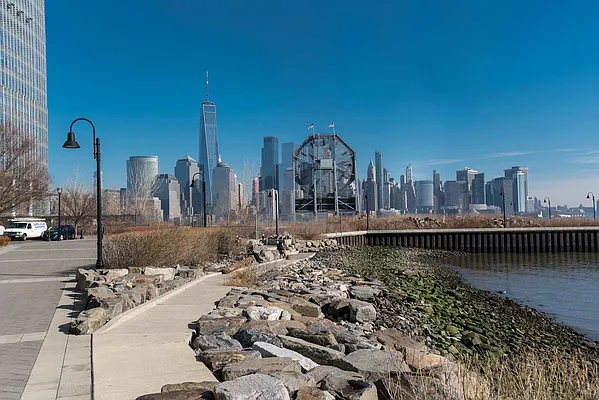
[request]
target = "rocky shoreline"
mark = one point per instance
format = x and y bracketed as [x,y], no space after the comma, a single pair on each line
[428,300]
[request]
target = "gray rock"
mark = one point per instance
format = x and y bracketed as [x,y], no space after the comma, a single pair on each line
[322,338]
[312,393]
[136,295]
[225,312]
[248,336]
[306,308]
[261,365]
[364,293]
[338,308]
[88,321]
[216,359]
[167,273]
[373,364]
[228,326]
[228,301]
[293,381]
[179,395]
[112,274]
[361,311]
[319,354]
[151,291]
[85,278]
[100,299]
[204,385]
[343,384]
[263,313]
[339,347]
[221,342]
[252,387]
[269,350]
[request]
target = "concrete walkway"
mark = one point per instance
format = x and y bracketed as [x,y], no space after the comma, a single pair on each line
[141,354]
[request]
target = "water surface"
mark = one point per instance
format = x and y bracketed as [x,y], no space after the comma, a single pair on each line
[564,285]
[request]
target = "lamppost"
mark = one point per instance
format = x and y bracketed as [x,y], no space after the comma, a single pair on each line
[59,191]
[275,195]
[367,213]
[502,194]
[193,184]
[548,201]
[589,194]
[71,143]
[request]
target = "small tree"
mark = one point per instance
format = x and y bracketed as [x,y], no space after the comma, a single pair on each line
[23,180]
[78,201]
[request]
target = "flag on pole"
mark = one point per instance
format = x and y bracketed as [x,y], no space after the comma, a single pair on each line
[311,126]
[332,125]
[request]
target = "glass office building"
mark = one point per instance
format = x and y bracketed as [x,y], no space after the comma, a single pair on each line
[23,99]
[208,146]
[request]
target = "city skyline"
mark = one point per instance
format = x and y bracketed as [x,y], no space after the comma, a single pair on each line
[443,99]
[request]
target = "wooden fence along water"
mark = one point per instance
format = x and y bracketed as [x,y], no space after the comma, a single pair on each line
[485,240]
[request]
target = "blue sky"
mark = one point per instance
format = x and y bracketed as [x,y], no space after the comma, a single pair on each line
[437,84]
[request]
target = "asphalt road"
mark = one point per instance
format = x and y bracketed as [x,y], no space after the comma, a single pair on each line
[32,278]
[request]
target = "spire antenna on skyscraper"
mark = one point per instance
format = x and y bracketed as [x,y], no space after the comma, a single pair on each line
[207,97]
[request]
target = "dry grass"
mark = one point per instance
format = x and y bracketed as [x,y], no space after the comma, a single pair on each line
[551,376]
[167,246]
[4,240]
[246,277]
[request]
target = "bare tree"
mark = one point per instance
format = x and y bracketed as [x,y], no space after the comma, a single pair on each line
[78,201]
[23,180]
[142,186]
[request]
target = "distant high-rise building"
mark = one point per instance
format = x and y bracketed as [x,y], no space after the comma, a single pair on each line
[208,143]
[23,94]
[168,191]
[457,194]
[519,193]
[409,177]
[380,181]
[191,197]
[269,170]
[438,193]
[142,172]
[287,150]
[511,174]
[530,204]
[467,175]
[255,191]
[369,189]
[225,190]
[489,195]
[478,189]
[424,195]
[505,186]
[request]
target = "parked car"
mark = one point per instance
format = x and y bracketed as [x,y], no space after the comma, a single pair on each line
[68,232]
[25,228]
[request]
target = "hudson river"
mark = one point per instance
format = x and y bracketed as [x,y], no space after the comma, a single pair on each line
[565,285]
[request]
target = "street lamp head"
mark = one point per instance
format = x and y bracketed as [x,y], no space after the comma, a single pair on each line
[193,184]
[59,190]
[71,143]
[588,196]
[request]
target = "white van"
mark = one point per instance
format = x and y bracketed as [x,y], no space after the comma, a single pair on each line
[25,228]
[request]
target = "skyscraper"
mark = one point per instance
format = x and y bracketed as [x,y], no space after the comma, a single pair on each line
[409,177]
[191,197]
[225,190]
[478,189]
[519,193]
[208,143]
[511,174]
[287,150]
[424,196]
[380,181]
[369,189]
[168,191]
[141,174]
[457,195]
[23,97]
[270,160]
[467,175]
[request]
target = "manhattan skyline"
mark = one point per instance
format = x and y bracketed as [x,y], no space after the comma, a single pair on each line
[437,87]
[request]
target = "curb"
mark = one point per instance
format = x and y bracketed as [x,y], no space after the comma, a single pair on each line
[127,315]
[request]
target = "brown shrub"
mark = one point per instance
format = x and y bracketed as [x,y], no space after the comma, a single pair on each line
[4,240]
[167,246]
[246,278]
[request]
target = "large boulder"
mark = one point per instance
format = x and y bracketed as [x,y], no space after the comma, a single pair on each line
[392,339]
[323,338]
[306,308]
[168,273]
[179,395]
[280,327]
[312,393]
[269,350]
[264,313]
[200,386]
[260,365]
[364,292]
[85,277]
[319,354]
[252,387]
[248,336]
[373,365]
[343,384]
[214,326]
[361,311]
[216,359]
[88,321]
[112,274]
[221,342]
[293,381]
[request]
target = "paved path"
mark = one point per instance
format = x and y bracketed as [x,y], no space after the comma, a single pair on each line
[33,279]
